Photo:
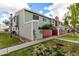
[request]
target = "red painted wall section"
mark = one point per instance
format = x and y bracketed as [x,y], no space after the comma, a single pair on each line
[54,32]
[47,33]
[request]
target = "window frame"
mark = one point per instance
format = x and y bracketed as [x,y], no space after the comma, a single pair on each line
[35,17]
[44,19]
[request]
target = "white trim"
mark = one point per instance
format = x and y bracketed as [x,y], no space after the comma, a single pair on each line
[31,21]
[32,31]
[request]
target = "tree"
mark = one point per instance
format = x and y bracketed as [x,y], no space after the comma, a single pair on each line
[66,24]
[71,20]
[6,22]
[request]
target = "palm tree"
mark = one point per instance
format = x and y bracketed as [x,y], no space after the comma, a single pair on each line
[71,20]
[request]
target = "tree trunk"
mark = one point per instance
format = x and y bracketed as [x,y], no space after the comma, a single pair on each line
[73,31]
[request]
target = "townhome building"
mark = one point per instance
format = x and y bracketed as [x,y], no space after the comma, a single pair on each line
[26,24]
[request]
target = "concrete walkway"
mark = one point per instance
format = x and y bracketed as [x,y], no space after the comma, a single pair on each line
[68,40]
[23,45]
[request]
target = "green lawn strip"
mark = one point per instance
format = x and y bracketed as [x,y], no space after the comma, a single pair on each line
[70,37]
[7,41]
[68,47]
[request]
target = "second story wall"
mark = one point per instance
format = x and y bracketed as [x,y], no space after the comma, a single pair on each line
[43,20]
[31,16]
[28,16]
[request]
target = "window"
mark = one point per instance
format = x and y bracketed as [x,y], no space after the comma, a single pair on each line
[44,19]
[52,20]
[14,19]
[13,29]
[55,23]
[17,21]
[35,17]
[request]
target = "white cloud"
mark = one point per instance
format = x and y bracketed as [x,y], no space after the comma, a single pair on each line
[40,12]
[13,5]
[4,16]
[50,7]
[58,9]
[45,7]
[48,14]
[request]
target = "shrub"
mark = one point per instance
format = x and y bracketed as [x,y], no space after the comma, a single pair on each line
[42,50]
[47,26]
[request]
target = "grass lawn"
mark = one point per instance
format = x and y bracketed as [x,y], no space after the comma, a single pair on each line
[50,47]
[6,41]
[70,37]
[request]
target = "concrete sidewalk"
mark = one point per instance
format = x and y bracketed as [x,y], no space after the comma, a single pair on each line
[68,40]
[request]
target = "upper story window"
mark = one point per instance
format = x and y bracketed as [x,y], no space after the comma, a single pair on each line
[44,19]
[35,17]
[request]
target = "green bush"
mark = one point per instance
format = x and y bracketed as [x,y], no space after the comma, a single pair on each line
[47,26]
